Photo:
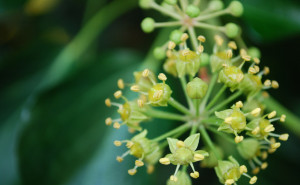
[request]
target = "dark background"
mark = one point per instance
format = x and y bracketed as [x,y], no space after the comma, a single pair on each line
[52,116]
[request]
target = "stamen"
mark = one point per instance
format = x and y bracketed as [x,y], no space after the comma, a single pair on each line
[117,143]
[275,145]
[145,73]
[239,104]
[264,165]
[238,139]
[272,114]
[232,45]
[107,102]
[269,128]
[135,88]
[150,169]
[116,125]
[264,155]
[180,144]
[253,180]
[121,83]
[266,70]
[275,84]
[256,60]
[118,94]
[165,161]
[162,77]
[139,163]
[267,83]
[228,120]
[282,118]
[229,181]
[184,37]
[129,144]
[255,131]
[171,45]
[284,137]
[219,40]
[108,121]
[201,38]
[132,171]
[256,112]
[198,157]
[243,169]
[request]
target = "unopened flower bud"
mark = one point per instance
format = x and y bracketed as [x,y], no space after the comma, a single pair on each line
[231,30]
[192,11]
[236,8]
[159,53]
[170,2]
[148,25]
[248,148]
[216,5]
[196,89]
[254,52]
[182,179]
[145,3]
[175,36]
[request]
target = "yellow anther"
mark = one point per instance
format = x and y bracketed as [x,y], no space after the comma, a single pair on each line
[135,88]
[256,60]
[238,139]
[118,94]
[229,53]
[256,112]
[150,169]
[165,161]
[162,77]
[169,54]
[229,181]
[140,103]
[265,94]
[256,68]
[108,121]
[198,157]
[171,45]
[266,70]
[271,150]
[228,120]
[264,165]
[243,52]
[246,57]
[239,77]
[275,84]
[243,169]
[275,145]
[117,143]
[184,37]
[129,144]
[272,140]
[282,118]
[267,83]
[180,144]
[264,155]
[225,65]
[253,180]
[173,178]
[132,171]
[219,40]
[195,175]
[200,49]
[269,128]
[201,38]
[256,170]
[116,125]
[145,73]
[251,70]
[284,137]
[131,130]
[272,114]
[255,131]
[107,102]
[232,45]
[121,83]
[158,94]
[119,159]
[139,163]
[239,104]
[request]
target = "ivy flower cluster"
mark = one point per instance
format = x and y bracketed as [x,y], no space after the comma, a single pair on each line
[224,92]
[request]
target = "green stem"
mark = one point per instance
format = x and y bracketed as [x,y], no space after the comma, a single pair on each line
[215,99]
[292,121]
[163,10]
[208,141]
[209,26]
[193,37]
[210,88]
[167,24]
[183,4]
[223,135]
[225,102]
[164,115]
[194,129]
[212,15]
[179,106]
[183,127]
[183,84]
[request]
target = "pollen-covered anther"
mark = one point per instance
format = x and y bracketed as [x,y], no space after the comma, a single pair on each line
[150,169]
[118,94]
[117,143]
[243,52]
[282,118]
[246,57]
[269,128]
[264,155]
[265,94]
[162,77]
[129,144]
[267,83]
[275,145]
[135,88]
[266,70]
[256,68]
[145,73]
[251,70]
[275,84]
[264,165]
[238,139]
[229,53]
[121,83]
[107,102]
[171,45]
[253,180]
[200,49]
[140,103]
[201,38]
[219,40]
[256,112]
[272,114]
[173,178]
[228,120]
[116,125]
[229,181]
[243,169]
[158,94]
[139,163]
[195,174]
[119,159]
[256,60]
[239,104]
[184,37]
[284,137]
[165,161]
[256,170]
[108,121]
[132,171]
[180,144]
[255,131]
[232,45]
[198,157]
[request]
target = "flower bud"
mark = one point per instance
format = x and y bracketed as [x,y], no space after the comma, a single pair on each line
[236,8]
[251,84]
[189,63]
[231,76]
[148,25]
[264,126]
[170,67]
[211,161]
[248,148]
[175,36]
[254,52]
[159,53]
[196,89]
[192,11]
[204,58]
[159,94]
[228,170]
[144,82]
[231,30]
[145,3]
[216,5]
[217,60]
[170,2]
[182,179]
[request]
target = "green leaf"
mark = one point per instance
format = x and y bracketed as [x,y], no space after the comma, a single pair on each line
[172,144]
[140,135]
[223,114]
[192,141]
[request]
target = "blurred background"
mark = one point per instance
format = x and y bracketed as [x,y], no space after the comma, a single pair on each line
[59,60]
